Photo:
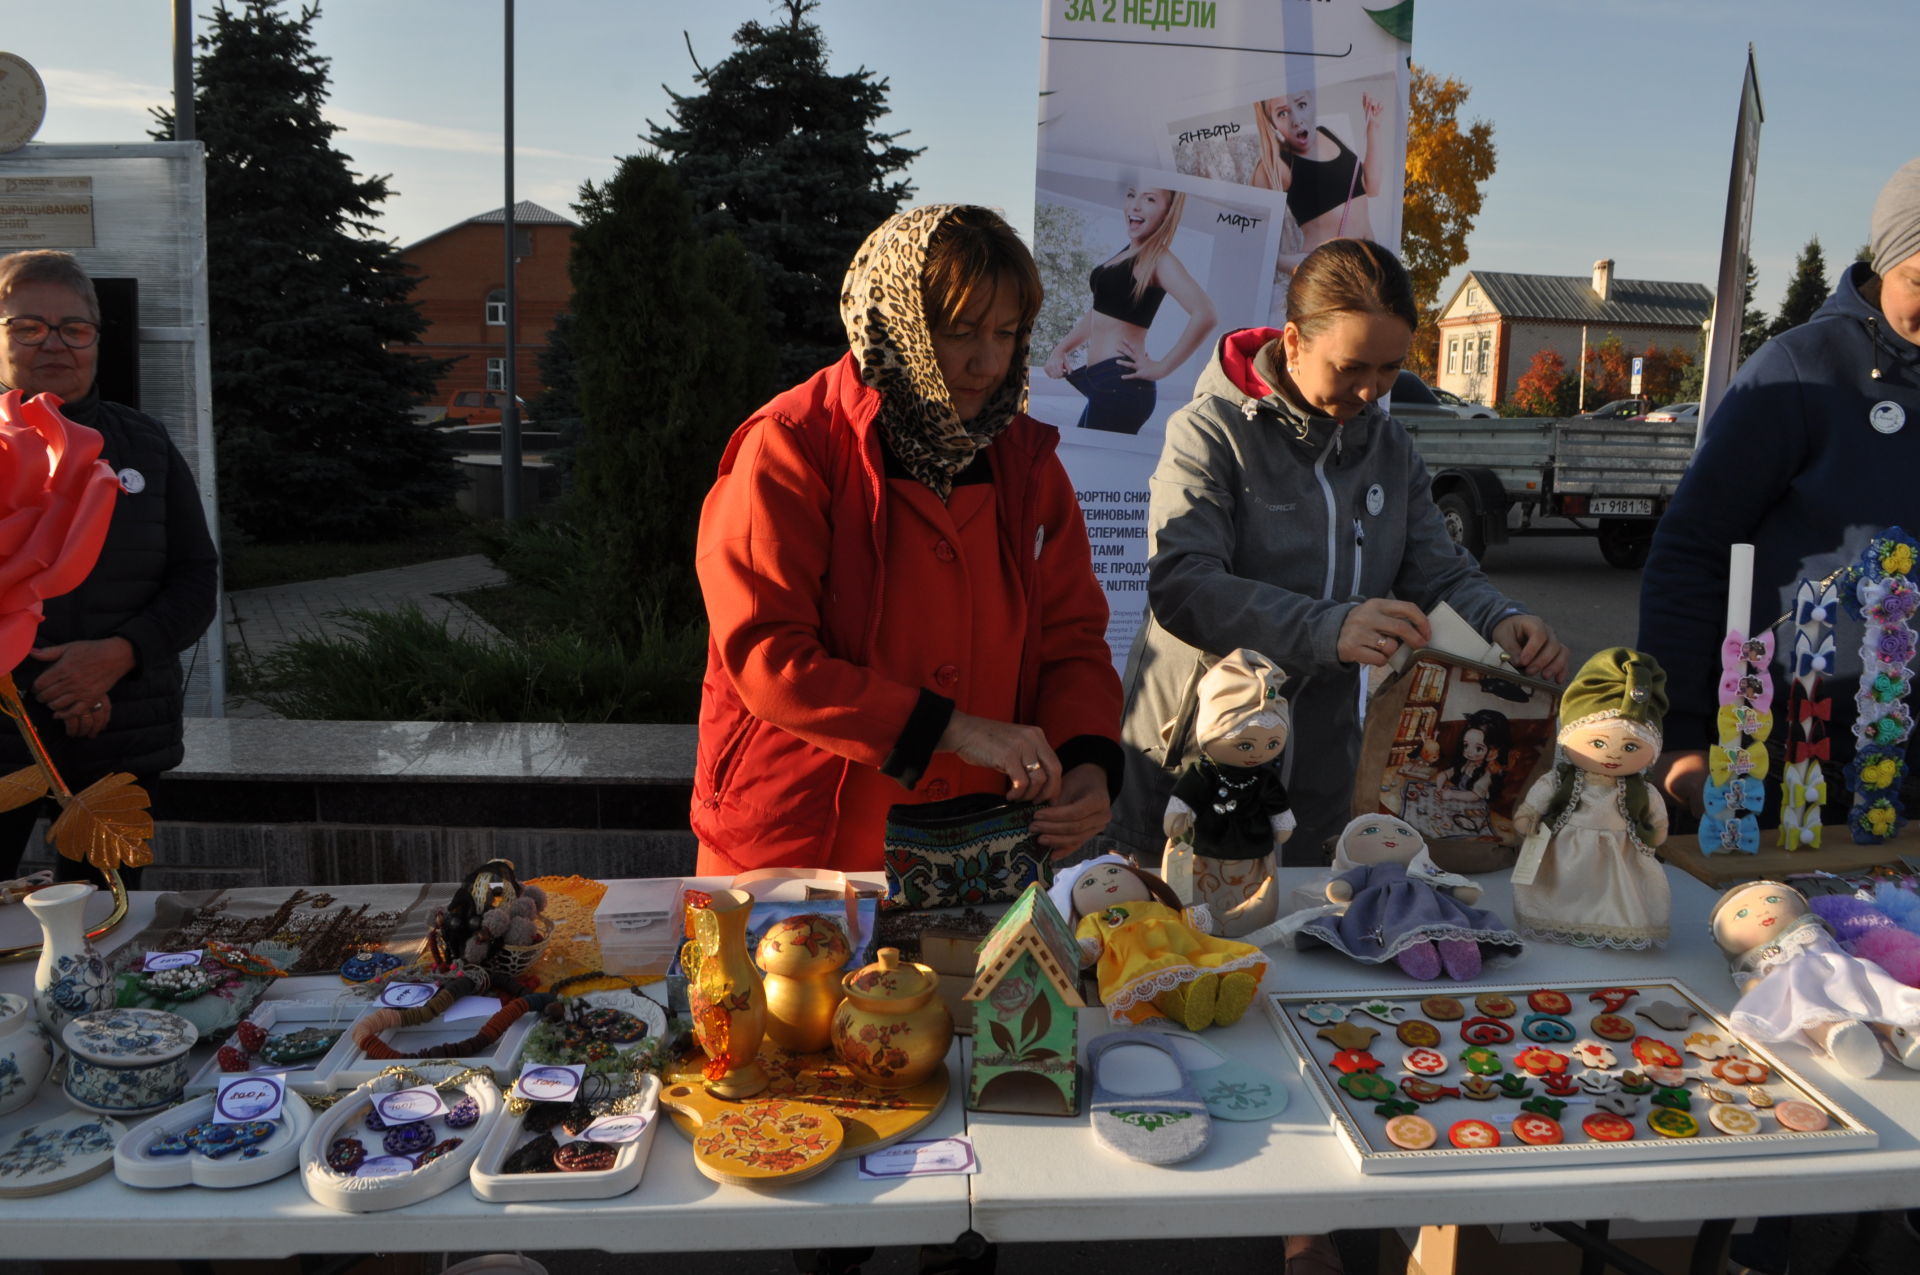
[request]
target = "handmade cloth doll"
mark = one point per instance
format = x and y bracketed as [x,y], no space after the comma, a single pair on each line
[1151,961]
[1402,908]
[1795,979]
[1229,813]
[1587,874]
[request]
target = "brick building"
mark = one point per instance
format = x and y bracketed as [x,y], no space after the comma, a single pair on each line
[1496,321]
[463,296]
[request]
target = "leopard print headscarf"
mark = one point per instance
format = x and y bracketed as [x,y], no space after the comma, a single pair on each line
[886,321]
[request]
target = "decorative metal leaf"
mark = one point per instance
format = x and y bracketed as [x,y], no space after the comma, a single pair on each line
[107,825]
[22,786]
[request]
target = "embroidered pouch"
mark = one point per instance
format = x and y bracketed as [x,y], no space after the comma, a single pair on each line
[965,851]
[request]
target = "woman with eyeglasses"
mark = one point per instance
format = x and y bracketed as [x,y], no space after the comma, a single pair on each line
[103,682]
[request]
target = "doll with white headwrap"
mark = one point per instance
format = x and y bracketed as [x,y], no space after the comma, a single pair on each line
[1401,907]
[1229,813]
[1149,957]
[1587,874]
[1794,979]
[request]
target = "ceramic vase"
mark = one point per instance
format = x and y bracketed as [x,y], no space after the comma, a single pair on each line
[892,1030]
[72,977]
[725,993]
[25,1054]
[802,957]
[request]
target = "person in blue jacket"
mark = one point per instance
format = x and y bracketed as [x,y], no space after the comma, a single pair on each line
[1811,453]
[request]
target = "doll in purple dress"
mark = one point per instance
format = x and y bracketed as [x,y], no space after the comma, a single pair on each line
[1402,908]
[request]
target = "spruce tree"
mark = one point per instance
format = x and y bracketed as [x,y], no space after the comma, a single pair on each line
[1806,290]
[670,355]
[787,156]
[1753,320]
[312,412]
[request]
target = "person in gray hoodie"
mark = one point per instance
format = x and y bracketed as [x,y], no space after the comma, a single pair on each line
[1291,516]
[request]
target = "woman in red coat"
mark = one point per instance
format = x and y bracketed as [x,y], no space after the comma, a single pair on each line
[897,576]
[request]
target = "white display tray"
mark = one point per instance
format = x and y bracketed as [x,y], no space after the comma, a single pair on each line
[490,1183]
[280,1153]
[316,1077]
[504,1058]
[371,1195]
[1362,1132]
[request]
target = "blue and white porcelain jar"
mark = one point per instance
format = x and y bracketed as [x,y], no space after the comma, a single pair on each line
[72,977]
[26,1055]
[127,1062]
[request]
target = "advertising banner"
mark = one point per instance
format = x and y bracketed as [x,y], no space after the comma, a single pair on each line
[1730,290]
[1190,154]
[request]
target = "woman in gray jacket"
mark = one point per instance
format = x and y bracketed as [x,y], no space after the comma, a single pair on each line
[1290,515]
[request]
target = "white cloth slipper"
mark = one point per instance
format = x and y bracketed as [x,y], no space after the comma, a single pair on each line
[1144,1104]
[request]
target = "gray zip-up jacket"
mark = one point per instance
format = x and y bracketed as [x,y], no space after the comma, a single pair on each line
[1267,524]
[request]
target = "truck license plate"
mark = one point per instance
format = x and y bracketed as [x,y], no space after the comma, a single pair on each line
[1618,505]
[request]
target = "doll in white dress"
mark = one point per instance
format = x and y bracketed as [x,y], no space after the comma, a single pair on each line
[1794,979]
[1587,873]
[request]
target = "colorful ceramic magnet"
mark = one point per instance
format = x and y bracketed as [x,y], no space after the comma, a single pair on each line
[1474,1135]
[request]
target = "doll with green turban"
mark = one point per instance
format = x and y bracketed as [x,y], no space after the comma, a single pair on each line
[1587,874]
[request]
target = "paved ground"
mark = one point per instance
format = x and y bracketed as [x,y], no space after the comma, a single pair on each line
[258,620]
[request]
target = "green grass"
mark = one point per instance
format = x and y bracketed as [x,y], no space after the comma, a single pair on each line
[444,533]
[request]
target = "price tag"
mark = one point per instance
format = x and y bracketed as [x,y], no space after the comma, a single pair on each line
[616,1129]
[407,1105]
[383,1166]
[244,1098]
[154,962]
[550,1082]
[920,1159]
[406,995]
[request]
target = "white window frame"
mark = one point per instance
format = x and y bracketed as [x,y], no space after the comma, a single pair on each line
[1453,356]
[497,308]
[1486,354]
[496,374]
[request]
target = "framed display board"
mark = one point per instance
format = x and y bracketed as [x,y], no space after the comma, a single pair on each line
[1437,1077]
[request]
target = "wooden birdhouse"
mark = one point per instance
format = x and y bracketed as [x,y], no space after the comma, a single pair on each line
[1026,1028]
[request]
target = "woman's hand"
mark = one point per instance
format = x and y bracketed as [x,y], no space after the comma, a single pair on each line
[1682,776]
[77,679]
[1021,753]
[1057,363]
[1535,650]
[1370,107]
[1139,366]
[1081,810]
[1377,627]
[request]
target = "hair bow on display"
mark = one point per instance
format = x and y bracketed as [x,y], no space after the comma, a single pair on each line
[1895,606]
[1813,710]
[1803,783]
[1813,603]
[1733,763]
[1812,659]
[1893,647]
[1809,749]
[1734,798]
[1747,688]
[1740,649]
[1735,719]
[1888,726]
[1800,828]
[1887,687]
[1723,836]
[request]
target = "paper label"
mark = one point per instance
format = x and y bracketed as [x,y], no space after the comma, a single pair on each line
[154,962]
[542,1082]
[1532,851]
[616,1129]
[383,1166]
[423,1102]
[920,1159]
[240,1099]
[406,995]
[471,1007]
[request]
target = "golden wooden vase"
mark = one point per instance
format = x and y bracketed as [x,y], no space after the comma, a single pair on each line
[802,957]
[892,1030]
[724,991]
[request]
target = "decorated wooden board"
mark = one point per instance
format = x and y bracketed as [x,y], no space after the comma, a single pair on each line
[1434,1078]
[760,1141]
[873,1118]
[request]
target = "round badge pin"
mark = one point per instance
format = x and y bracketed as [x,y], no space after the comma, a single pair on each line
[1886,416]
[132,481]
[1376,500]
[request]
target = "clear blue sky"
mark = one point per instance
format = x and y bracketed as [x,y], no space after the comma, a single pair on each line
[1614,118]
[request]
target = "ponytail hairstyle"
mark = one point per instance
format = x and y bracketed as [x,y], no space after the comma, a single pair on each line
[1157,244]
[1349,276]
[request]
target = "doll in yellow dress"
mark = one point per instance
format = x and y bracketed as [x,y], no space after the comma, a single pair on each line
[1150,958]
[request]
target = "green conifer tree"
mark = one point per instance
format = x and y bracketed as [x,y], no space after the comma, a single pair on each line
[312,411]
[787,156]
[1806,290]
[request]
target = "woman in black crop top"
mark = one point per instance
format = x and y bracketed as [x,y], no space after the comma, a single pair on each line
[1118,375]
[1327,185]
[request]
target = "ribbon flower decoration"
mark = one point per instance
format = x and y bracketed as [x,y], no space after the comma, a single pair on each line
[56,496]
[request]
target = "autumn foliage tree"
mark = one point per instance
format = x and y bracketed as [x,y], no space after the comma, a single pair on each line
[1448,163]
[1545,389]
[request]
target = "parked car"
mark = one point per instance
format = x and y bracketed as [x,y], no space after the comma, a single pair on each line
[1414,397]
[1684,413]
[1473,410]
[1620,409]
[482,407]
